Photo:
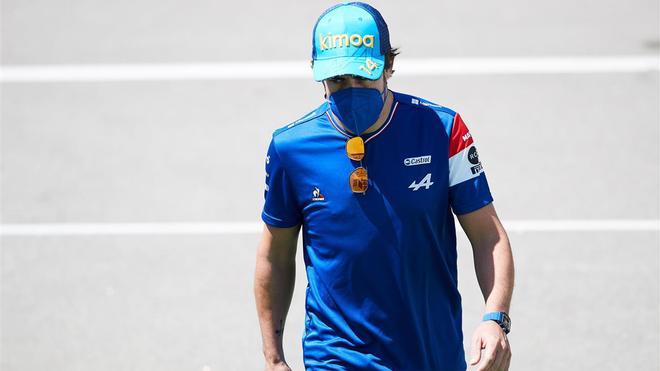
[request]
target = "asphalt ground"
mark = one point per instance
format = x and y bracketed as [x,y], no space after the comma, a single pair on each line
[555,147]
[145,31]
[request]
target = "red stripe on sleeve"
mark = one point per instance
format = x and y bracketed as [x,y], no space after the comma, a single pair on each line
[460,136]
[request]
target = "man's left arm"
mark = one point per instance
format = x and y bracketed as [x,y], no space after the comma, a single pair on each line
[493,263]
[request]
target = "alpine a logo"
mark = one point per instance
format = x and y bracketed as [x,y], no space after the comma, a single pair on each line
[425,182]
[421,160]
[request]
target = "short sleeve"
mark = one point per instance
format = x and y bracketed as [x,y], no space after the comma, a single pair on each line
[468,186]
[280,207]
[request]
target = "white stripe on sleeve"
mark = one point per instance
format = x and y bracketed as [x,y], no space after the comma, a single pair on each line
[464,165]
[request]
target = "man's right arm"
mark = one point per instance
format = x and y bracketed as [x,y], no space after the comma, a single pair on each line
[274,281]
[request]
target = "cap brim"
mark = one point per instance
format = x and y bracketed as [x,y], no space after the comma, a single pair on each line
[327,68]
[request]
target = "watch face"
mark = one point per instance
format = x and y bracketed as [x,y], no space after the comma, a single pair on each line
[507,323]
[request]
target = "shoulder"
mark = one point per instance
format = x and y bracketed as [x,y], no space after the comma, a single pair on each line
[444,115]
[296,130]
[307,118]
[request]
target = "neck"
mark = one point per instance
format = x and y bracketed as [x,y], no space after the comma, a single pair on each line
[387,107]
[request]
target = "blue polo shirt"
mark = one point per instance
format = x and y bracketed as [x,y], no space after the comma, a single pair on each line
[381,266]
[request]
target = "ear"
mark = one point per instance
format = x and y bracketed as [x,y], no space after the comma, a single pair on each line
[388,73]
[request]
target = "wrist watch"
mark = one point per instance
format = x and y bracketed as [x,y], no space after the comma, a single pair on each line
[501,318]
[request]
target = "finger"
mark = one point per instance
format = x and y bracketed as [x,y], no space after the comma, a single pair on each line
[500,358]
[503,353]
[507,362]
[507,354]
[488,357]
[475,352]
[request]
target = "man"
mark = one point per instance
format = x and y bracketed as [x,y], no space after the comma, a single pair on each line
[374,177]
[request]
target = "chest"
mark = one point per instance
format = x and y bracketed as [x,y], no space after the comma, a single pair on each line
[407,170]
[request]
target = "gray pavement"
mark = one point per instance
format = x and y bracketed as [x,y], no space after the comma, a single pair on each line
[574,146]
[557,146]
[583,301]
[96,31]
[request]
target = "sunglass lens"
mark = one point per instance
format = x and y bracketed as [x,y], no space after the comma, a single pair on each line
[359,180]
[355,148]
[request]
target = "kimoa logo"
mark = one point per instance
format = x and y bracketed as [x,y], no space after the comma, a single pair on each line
[421,160]
[331,41]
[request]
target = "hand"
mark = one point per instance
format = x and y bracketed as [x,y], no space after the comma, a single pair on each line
[279,366]
[496,354]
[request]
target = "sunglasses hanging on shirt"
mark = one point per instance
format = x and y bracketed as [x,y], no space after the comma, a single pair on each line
[358,180]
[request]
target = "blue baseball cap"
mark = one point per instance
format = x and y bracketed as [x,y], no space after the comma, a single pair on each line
[350,39]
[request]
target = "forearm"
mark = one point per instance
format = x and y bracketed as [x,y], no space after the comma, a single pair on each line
[273,288]
[493,263]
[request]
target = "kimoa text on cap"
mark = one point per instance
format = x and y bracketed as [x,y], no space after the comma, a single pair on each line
[331,41]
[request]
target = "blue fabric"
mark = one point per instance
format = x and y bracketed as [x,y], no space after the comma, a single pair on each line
[381,267]
[357,108]
[349,38]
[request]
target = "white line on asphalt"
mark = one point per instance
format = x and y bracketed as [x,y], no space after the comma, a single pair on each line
[174,228]
[582,225]
[248,70]
[225,228]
